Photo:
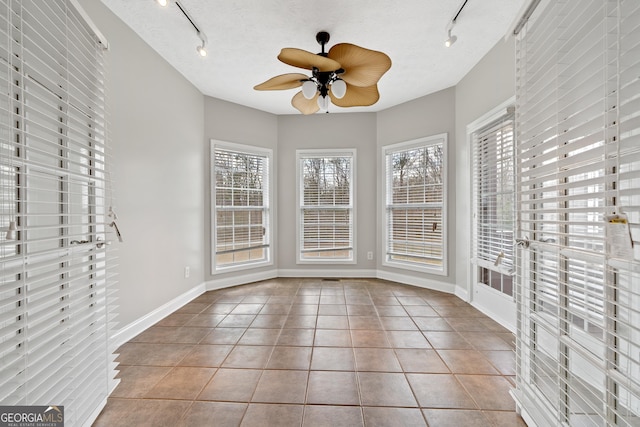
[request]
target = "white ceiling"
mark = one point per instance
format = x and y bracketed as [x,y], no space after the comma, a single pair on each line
[245,37]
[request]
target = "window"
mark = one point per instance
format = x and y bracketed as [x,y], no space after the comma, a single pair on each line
[494,203]
[326,211]
[240,199]
[414,197]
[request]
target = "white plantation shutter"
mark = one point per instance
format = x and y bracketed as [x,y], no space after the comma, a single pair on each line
[241,196]
[494,203]
[325,217]
[578,150]
[415,188]
[56,292]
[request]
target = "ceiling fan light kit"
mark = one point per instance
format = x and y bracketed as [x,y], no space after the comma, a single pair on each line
[347,76]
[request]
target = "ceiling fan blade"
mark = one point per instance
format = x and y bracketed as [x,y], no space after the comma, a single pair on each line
[304,105]
[357,96]
[307,60]
[363,67]
[283,81]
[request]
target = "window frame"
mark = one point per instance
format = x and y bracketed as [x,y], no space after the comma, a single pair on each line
[428,141]
[267,206]
[502,114]
[307,153]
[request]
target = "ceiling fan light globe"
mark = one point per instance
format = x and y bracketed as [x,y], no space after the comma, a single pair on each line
[323,103]
[339,88]
[309,89]
[163,3]
[202,51]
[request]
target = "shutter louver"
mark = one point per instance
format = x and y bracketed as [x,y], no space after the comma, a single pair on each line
[56,297]
[578,74]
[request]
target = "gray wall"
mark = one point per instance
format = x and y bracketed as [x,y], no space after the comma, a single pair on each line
[430,115]
[156,130]
[229,122]
[490,83]
[327,131]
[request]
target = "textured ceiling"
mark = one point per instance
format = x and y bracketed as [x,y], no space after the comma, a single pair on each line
[245,37]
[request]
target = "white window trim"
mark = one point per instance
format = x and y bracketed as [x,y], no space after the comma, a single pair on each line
[327,152]
[414,143]
[248,149]
[484,120]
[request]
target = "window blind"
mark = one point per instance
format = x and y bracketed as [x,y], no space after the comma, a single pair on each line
[241,204]
[578,74]
[494,203]
[56,291]
[325,206]
[414,194]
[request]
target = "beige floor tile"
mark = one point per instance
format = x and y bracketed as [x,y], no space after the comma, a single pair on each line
[220,414]
[181,383]
[334,416]
[300,321]
[296,337]
[467,362]
[261,415]
[231,385]
[332,359]
[421,361]
[440,391]
[489,391]
[259,336]
[407,339]
[290,358]
[332,322]
[148,354]
[447,340]
[332,310]
[385,417]
[332,388]
[281,387]
[376,360]
[248,356]
[332,338]
[385,389]
[365,322]
[365,338]
[206,355]
[136,381]
[456,417]
[223,336]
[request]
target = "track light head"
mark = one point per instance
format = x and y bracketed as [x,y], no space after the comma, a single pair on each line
[163,3]
[450,40]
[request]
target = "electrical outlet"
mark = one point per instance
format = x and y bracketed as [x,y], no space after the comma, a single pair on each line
[187,272]
[370,255]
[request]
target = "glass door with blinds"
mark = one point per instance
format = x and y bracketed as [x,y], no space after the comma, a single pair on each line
[56,308]
[493,201]
[578,271]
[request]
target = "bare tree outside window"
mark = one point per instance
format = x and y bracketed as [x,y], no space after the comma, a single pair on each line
[415,182]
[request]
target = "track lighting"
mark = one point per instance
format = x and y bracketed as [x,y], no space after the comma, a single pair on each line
[202,49]
[450,40]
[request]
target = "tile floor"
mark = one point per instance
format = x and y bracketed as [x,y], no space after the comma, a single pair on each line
[311,352]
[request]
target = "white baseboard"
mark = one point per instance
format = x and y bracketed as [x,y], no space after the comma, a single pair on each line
[330,271]
[463,294]
[240,279]
[129,331]
[419,282]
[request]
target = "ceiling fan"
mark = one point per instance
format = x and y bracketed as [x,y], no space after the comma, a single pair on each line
[347,74]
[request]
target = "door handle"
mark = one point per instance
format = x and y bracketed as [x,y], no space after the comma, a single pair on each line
[523,243]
